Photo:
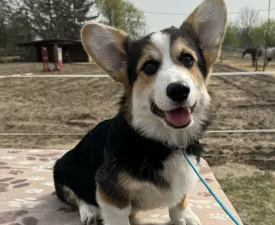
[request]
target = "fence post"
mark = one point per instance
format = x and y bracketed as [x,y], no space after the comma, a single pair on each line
[256,60]
[221,58]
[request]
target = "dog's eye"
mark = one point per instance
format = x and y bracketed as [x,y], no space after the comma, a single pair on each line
[186,59]
[150,67]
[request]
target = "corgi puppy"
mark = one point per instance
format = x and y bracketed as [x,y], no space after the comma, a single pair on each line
[135,160]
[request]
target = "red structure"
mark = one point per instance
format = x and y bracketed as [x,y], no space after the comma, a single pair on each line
[57,56]
[45,59]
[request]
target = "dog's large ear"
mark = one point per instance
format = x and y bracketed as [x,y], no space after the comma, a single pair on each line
[208,23]
[106,46]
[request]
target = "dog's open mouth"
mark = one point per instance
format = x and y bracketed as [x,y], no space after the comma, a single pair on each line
[177,118]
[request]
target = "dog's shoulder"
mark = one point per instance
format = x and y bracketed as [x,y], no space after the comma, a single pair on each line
[90,148]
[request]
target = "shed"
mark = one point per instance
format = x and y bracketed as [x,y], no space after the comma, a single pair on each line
[72,50]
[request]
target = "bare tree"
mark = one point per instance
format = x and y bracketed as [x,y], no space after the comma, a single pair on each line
[54,18]
[14,27]
[248,19]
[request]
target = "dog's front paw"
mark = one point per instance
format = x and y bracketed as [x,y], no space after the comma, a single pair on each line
[178,222]
[191,219]
[88,214]
[183,216]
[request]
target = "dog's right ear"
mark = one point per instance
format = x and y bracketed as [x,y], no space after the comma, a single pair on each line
[106,46]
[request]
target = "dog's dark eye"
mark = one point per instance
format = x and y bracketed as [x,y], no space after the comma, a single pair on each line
[187,60]
[150,67]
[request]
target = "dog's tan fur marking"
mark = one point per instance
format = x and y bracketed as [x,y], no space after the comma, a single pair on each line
[105,198]
[70,196]
[143,82]
[149,53]
[196,75]
[210,59]
[179,46]
[184,203]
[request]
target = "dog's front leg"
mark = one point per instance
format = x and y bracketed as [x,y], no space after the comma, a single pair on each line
[182,214]
[113,212]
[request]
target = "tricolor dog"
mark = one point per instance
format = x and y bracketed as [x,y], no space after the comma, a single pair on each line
[129,163]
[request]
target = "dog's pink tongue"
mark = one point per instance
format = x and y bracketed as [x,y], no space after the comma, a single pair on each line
[178,117]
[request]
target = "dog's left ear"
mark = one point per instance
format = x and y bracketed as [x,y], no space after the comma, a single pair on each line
[208,23]
[106,46]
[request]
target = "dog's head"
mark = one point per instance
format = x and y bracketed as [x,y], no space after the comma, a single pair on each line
[165,73]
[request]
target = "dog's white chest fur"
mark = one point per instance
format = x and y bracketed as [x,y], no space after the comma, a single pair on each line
[181,178]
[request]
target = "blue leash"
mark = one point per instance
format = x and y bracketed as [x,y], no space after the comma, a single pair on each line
[211,191]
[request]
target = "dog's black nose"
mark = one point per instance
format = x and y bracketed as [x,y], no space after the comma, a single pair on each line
[178,92]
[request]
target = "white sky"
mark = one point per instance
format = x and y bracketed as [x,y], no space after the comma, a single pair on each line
[156,22]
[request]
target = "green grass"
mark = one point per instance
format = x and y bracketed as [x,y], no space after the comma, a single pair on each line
[253,196]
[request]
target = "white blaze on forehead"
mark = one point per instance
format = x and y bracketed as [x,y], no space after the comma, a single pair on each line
[162,42]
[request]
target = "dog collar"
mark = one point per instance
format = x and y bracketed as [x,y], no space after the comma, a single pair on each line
[174,148]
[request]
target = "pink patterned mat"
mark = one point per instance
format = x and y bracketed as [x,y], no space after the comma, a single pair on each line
[27,194]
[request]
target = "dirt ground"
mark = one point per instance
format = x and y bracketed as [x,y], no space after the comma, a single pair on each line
[242,102]
[75,105]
